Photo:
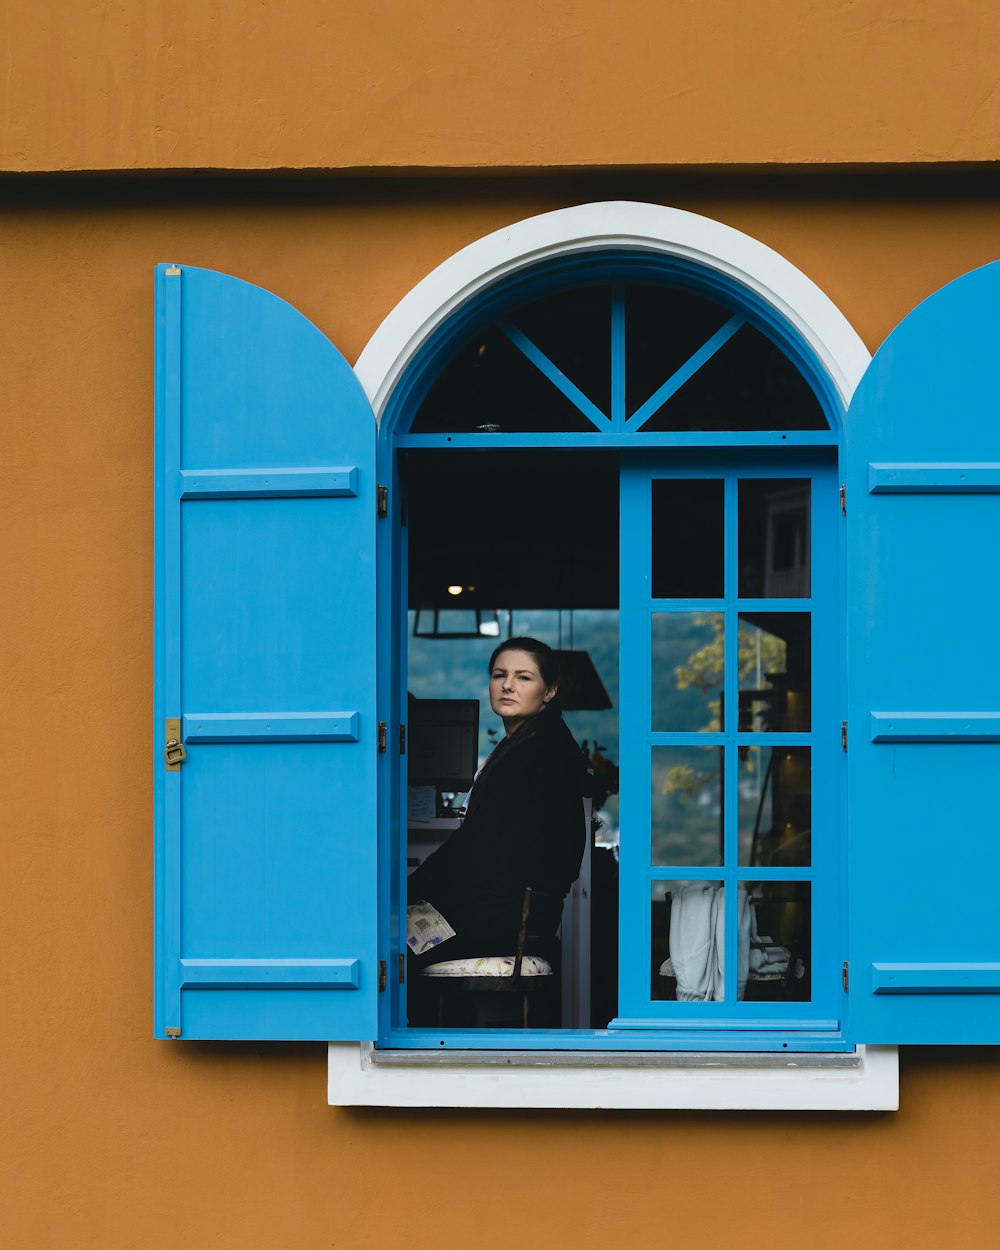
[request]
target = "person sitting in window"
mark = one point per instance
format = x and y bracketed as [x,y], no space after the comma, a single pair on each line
[524,822]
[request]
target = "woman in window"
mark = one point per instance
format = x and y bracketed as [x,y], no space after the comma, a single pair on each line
[524,823]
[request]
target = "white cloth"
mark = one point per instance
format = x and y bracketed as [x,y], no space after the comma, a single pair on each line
[696,932]
[698,946]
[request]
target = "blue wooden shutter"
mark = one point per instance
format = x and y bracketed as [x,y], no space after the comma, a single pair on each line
[265,651]
[923,661]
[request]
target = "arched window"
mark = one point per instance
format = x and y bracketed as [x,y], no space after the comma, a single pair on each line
[634,445]
[612,345]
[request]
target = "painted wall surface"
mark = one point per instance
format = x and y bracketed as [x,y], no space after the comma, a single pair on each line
[110,1139]
[238,84]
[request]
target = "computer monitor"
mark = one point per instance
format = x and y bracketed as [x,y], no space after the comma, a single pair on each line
[443,745]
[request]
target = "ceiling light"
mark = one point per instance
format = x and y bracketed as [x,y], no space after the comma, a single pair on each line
[455,590]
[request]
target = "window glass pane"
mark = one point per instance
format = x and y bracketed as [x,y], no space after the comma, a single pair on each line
[780,954]
[775,808]
[573,328]
[774,538]
[489,381]
[775,672]
[664,327]
[687,806]
[557,548]
[687,671]
[749,384]
[688,941]
[688,529]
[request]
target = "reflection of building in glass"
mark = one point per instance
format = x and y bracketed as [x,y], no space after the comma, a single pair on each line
[786,545]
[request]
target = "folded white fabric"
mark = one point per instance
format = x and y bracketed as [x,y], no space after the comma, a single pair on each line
[767,959]
[489,966]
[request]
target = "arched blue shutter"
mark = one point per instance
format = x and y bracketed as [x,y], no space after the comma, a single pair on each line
[265,654]
[923,664]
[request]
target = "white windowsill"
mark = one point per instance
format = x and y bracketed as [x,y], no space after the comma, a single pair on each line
[867,1080]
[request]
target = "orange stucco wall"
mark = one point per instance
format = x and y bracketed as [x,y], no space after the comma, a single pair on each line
[255,84]
[110,1139]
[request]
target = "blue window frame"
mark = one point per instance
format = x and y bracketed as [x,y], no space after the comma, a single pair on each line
[711,740]
[582,333]
[623,388]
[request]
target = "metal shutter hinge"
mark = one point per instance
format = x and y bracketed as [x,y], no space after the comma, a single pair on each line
[174,271]
[843,735]
[382,495]
[843,499]
[845,975]
[402,968]
[171,1031]
[381,975]
[381,737]
[173,749]
[402,739]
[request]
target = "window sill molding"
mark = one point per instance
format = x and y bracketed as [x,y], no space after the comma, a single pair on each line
[864,1080]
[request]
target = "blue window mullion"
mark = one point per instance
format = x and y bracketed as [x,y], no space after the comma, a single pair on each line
[731,654]
[686,605]
[730,687]
[687,370]
[777,874]
[686,738]
[618,356]
[758,738]
[554,374]
[685,872]
[604,436]
[635,813]
[775,605]
[827,757]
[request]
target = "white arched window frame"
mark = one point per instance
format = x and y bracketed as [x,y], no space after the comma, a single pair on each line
[613,226]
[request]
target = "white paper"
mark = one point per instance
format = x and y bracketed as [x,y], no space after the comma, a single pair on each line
[425,927]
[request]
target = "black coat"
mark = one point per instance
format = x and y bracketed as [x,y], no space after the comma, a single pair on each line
[524,827]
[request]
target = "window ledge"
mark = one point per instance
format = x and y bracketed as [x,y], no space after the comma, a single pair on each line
[864,1080]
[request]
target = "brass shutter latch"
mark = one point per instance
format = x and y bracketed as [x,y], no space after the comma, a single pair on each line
[174,752]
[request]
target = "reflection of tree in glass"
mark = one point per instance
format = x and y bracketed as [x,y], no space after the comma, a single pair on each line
[757,654]
[687,808]
[703,669]
[686,782]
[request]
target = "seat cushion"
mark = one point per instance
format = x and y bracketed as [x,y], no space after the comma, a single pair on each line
[489,966]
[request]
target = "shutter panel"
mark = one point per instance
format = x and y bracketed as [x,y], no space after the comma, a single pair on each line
[265,652]
[923,661]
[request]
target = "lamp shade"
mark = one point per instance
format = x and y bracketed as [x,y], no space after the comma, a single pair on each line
[580,687]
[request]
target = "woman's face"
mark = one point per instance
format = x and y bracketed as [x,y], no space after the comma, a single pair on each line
[517,690]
